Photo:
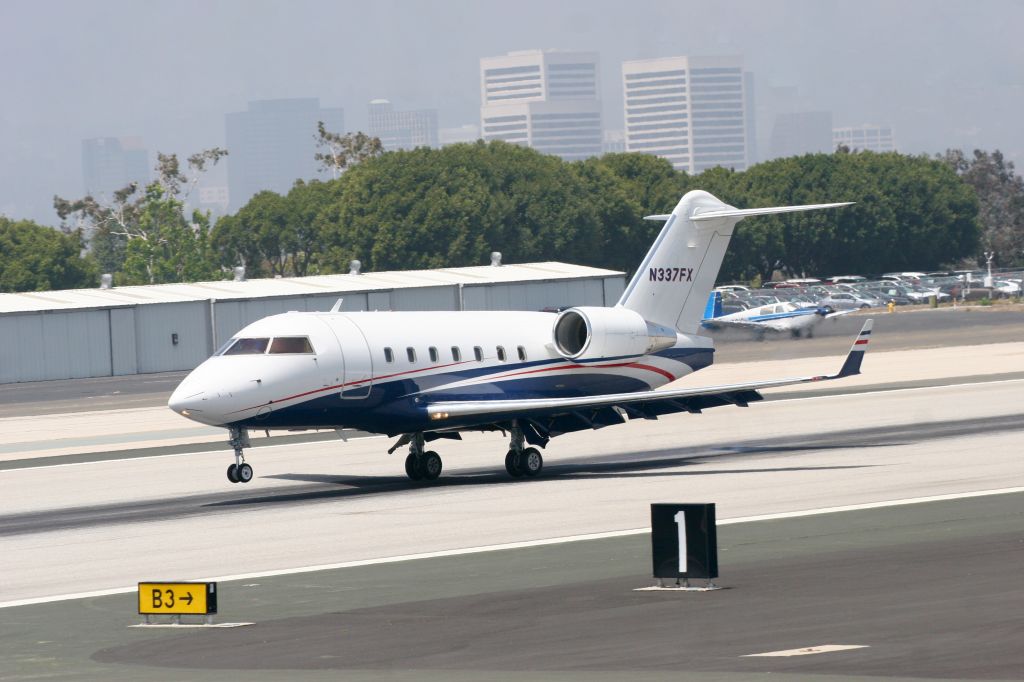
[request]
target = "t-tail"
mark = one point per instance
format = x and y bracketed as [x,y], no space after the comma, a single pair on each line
[672,285]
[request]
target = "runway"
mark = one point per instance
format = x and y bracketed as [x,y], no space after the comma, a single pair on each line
[112,518]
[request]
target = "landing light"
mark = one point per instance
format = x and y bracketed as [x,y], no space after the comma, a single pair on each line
[437,416]
[185,413]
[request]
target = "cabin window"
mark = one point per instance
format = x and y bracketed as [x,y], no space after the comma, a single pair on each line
[456,354]
[388,355]
[248,347]
[478,352]
[291,345]
[501,353]
[522,353]
[433,354]
[411,352]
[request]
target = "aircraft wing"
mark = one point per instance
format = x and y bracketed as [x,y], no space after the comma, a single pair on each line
[593,411]
[837,313]
[715,323]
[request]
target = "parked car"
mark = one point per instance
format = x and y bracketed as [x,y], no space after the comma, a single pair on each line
[848,300]
[1006,287]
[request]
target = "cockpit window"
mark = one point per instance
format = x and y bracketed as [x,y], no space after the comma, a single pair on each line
[247,347]
[291,344]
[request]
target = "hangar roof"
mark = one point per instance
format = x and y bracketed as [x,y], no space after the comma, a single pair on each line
[70,299]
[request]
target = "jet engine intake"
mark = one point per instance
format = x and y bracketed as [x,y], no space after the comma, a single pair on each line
[587,333]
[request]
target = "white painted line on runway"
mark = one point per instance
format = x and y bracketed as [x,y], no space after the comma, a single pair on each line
[146,458]
[370,436]
[518,545]
[807,651]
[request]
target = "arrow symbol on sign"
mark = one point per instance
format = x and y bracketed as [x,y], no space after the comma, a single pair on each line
[187,598]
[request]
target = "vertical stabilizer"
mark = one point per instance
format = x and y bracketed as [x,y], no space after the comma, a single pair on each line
[672,285]
[714,307]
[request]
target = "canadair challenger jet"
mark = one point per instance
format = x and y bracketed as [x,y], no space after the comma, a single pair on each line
[424,376]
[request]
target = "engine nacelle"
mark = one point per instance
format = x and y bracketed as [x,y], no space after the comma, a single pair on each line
[588,333]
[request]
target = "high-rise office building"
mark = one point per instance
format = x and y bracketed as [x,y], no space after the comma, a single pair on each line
[692,111]
[465,133]
[272,144]
[866,137]
[402,129]
[802,132]
[112,163]
[545,99]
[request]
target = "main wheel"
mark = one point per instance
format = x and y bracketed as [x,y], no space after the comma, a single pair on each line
[431,465]
[244,473]
[512,465]
[531,462]
[233,473]
[412,469]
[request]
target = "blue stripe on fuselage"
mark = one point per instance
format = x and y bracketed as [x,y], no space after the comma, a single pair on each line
[396,406]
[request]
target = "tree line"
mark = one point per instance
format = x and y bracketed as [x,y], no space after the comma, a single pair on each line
[428,208]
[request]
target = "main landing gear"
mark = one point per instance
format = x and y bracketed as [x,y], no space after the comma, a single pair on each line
[522,461]
[425,465]
[239,472]
[422,465]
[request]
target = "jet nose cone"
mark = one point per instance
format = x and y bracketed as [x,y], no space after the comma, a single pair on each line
[187,401]
[182,401]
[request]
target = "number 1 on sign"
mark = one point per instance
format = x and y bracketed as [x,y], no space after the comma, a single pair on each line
[680,519]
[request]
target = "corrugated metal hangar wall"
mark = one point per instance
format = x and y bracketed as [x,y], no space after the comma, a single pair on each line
[54,341]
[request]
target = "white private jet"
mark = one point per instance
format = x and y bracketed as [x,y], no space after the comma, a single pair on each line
[425,376]
[784,316]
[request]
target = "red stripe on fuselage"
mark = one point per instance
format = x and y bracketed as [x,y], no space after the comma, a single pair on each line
[635,365]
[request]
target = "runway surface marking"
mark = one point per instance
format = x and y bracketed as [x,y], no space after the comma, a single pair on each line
[188,454]
[768,398]
[519,545]
[807,651]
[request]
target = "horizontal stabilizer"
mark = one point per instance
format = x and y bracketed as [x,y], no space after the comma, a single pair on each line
[660,216]
[700,215]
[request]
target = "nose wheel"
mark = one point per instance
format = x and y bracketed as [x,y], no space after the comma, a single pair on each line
[239,472]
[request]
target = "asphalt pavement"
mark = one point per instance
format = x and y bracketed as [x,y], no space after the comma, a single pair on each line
[929,590]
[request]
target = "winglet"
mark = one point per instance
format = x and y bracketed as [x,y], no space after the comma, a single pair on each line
[852,364]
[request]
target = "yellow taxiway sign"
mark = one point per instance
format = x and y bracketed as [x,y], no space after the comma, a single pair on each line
[177,598]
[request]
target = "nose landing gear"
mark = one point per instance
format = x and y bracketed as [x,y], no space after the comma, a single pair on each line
[239,472]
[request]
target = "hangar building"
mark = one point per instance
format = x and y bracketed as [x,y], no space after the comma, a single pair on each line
[80,333]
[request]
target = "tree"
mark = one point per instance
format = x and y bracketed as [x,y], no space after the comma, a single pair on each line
[341,151]
[645,185]
[146,236]
[911,212]
[1000,193]
[38,258]
[273,234]
[446,207]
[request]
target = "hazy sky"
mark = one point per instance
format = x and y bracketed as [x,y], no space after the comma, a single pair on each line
[943,74]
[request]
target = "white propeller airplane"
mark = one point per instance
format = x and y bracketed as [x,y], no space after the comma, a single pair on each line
[425,376]
[785,316]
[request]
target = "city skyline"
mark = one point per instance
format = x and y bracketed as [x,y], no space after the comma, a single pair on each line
[895,73]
